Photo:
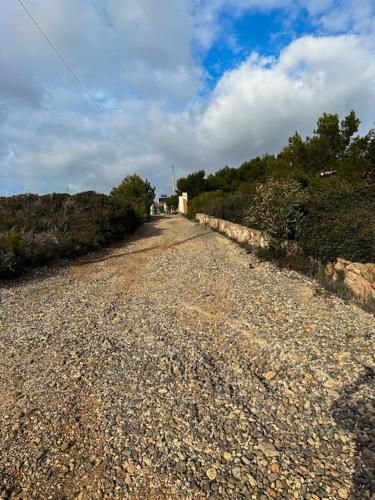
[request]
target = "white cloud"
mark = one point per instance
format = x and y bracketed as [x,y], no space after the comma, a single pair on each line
[257,106]
[140,63]
[111,44]
[343,15]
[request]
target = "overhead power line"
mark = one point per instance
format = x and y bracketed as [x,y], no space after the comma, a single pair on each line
[77,78]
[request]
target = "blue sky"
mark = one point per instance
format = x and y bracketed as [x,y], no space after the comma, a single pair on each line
[264,32]
[196,83]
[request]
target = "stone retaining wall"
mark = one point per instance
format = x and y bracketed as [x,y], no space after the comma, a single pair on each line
[358,277]
[242,234]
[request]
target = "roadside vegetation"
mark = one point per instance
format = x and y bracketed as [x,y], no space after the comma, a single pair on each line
[36,229]
[318,192]
[135,192]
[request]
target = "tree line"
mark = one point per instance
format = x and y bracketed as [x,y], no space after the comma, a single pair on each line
[334,148]
[318,191]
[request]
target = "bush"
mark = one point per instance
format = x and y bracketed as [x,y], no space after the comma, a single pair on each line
[172,202]
[228,206]
[13,250]
[276,208]
[234,206]
[207,203]
[35,229]
[137,193]
[341,225]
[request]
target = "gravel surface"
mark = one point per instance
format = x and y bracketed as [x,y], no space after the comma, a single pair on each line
[177,366]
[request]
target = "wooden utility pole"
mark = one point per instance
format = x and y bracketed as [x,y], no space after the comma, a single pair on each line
[174,187]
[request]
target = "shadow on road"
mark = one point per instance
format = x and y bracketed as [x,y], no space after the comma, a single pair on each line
[355,412]
[143,250]
[39,274]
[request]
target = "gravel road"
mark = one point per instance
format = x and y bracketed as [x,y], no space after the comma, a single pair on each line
[175,365]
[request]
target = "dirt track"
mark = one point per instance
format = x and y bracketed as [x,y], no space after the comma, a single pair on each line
[177,366]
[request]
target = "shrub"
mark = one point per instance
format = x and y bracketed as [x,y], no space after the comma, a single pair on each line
[137,193]
[207,203]
[235,205]
[228,206]
[341,225]
[172,202]
[35,229]
[13,250]
[283,258]
[276,208]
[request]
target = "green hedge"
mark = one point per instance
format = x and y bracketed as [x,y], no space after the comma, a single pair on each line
[35,229]
[341,225]
[207,203]
[330,224]
[226,206]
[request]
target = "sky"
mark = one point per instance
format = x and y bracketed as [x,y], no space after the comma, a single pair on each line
[195,83]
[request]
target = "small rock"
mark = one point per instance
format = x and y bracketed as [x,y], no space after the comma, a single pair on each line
[270,375]
[280,484]
[211,473]
[268,449]
[331,384]
[130,467]
[236,472]
[275,467]
[252,480]
[343,493]
[288,393]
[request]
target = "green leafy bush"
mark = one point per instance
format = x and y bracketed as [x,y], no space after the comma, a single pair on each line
[228,206]
[13,250]
[207,203]
[172,202]
[341,225]
[137,193]
[276,207]
[35,229]
[234,206]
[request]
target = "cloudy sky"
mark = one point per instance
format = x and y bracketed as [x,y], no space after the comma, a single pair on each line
[196,83]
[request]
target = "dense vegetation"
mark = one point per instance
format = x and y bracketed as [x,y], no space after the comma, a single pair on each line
[319,191]
[36,229]
[341,224]
[136,192]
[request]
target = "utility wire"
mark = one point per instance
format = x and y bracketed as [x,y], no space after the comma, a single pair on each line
[77,78]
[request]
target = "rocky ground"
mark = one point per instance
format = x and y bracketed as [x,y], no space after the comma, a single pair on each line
[177,366]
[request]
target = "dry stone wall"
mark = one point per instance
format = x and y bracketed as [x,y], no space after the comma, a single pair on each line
[242,234]
[358,277]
